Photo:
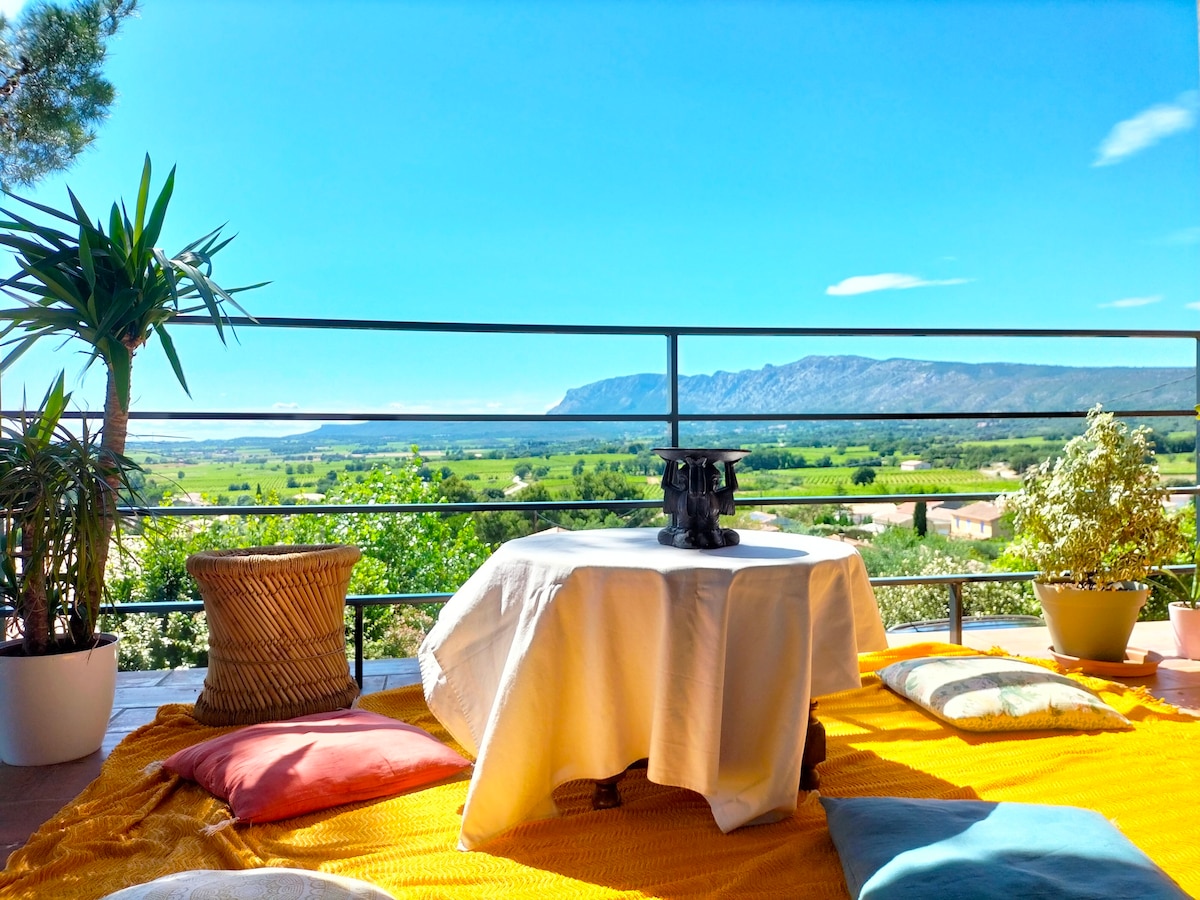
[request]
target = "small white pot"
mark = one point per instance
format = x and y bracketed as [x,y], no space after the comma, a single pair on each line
[1185,623]
[56,708]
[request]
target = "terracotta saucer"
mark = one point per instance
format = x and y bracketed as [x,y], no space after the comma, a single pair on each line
[1137,664]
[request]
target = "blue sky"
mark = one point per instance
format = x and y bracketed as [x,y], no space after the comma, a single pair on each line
[921,164]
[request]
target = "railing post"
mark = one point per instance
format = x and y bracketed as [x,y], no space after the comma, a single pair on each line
[673,386]
[358,645]
[956,611]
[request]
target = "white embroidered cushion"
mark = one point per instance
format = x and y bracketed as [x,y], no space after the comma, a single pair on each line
[994,693]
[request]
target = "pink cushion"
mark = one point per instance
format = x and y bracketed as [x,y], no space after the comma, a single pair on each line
[275,770]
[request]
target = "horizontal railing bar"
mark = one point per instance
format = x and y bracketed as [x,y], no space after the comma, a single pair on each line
[364,600]
[209,416]
[161,607]
[397,599]
[682,331]
[367,508]
[959,578]
[310,509]
[359,601]
[923,416]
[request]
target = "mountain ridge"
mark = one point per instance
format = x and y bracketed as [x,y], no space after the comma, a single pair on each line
[847,384]
[813,384]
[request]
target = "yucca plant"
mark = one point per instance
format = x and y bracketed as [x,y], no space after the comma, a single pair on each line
[55,496]
[113,290]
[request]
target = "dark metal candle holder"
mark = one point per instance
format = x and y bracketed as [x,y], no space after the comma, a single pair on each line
[695,498]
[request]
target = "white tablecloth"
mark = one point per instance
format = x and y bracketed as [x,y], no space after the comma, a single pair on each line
[572,655]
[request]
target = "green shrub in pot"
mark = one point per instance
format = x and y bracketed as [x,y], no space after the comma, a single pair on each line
[1093,524]
[55,488]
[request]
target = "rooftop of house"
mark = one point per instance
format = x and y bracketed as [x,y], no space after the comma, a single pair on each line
[981,511]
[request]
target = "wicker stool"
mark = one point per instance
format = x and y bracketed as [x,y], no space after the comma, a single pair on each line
[277,642]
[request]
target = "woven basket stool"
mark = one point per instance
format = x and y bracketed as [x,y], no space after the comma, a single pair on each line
[276,638]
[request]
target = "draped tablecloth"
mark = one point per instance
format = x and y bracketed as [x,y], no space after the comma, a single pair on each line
[571,655]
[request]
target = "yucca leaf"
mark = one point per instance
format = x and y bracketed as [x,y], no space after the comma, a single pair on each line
[168,274]
[51,235]
[61,286]
[51,410]
[143,194]
[116,229]
[23,345]
[227,296]
[31,250]
[85,260]
[49,210]
[200,241]
[154,225]
[172,356]
[204,287]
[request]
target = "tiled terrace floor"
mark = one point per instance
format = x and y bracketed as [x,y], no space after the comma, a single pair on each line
[29,796]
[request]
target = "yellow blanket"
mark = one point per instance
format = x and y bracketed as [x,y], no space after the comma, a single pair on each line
[130,825]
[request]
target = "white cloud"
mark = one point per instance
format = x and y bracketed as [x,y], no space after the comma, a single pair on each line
[887,281]
[1147,128]
[1192,305]
[285,406]
[1129,302]
[10,9]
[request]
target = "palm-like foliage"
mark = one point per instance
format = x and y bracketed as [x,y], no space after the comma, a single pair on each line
[56,493]
[112,290]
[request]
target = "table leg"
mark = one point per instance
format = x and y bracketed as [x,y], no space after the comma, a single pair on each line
[606,794]
[814,751]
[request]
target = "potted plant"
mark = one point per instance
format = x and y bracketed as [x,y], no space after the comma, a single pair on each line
[1093,524]
[113,290]
[1183,604]
[58,679]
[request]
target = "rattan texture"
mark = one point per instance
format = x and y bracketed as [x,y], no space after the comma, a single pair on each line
[277,642]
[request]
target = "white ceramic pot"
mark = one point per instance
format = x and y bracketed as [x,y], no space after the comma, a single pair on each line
[56,708]
[1185,623]
[1088,623]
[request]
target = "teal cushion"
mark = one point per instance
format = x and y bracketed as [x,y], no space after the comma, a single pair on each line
[893,848]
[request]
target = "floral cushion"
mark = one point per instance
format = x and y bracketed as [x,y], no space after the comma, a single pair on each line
[994,693]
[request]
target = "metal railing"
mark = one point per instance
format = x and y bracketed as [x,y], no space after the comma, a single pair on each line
[671,418]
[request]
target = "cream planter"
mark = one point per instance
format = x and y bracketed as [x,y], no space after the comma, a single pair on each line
[1091,624]
[1185,623]
[55,708]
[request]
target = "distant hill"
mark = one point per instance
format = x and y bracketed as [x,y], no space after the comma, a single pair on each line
[858,384]
[813,384]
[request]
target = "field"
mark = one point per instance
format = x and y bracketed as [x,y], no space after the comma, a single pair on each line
[239,474]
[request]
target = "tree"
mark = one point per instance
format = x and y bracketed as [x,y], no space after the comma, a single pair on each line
[52,91]
[402,553]
[920,518]
[863,475]
[111,290]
